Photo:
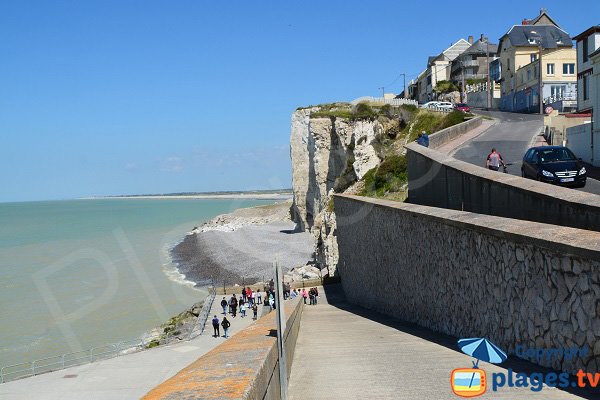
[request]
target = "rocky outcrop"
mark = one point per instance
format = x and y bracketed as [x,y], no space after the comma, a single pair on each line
[328,153]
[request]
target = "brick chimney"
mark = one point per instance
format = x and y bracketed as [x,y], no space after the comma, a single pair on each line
[525,22]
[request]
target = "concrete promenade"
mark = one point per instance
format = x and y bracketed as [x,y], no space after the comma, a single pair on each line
[346,352]
[125,377]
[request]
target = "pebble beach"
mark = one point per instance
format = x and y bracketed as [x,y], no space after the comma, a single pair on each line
[241,247]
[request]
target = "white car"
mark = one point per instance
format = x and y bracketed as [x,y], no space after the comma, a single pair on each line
[445,105]
[431,104]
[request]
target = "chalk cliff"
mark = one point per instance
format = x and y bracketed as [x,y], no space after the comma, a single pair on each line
[328,153]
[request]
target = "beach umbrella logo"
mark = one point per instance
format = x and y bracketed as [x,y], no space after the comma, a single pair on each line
[471,382]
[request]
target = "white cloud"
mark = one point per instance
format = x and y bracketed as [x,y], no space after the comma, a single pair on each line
[172,164]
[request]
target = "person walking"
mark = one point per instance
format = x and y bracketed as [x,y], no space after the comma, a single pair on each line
[316,295]
[304,295]
[233,305]
[243,309]
[215,324]
[494,160]
[225,324]
[249,295]
[244,294]
[255,311]
[224,305]
[258,296]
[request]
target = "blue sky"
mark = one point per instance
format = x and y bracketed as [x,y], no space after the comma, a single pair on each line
[129,97]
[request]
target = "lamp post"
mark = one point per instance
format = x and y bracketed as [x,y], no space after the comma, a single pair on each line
[404,84]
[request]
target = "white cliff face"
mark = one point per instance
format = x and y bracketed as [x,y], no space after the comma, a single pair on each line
[323,149]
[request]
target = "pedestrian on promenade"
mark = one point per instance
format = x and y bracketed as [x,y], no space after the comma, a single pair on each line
[244,294]
[423,139]
[224,305]
[215,324]
[233,305]
[243,309]
[294,294]
[304,295]
[316,295]
[311,296]
[249,296]
[258,296]
[225,324]
[255,311]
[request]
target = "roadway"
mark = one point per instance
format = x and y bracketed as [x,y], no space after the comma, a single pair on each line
[511,134]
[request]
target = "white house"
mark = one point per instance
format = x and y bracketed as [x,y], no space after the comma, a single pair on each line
[588,42]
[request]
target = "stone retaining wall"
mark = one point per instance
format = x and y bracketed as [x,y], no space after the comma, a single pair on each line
[472,275]
[437,180]
[243,367]
[444,136]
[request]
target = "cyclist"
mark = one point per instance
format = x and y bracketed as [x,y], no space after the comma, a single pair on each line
[494,160]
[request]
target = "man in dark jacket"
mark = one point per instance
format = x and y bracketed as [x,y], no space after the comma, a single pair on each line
[215,324]
[225,324]
[224,305]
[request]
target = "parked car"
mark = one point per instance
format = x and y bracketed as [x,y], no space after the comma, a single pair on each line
[430,104]
[464,107]
[445,105]
[554,164]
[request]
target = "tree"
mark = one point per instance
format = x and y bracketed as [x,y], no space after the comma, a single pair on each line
[443,87]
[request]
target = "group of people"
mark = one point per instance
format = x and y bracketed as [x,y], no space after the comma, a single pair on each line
[250,299]
[311,295]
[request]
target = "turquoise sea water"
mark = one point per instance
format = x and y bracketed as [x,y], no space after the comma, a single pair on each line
[81,273]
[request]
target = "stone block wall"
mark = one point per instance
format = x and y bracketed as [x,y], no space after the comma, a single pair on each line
[472,275]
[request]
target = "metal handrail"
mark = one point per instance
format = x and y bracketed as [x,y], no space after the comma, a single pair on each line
[75,358]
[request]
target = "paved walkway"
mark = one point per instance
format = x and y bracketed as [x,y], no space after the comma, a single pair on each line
[126,377]
[346,352]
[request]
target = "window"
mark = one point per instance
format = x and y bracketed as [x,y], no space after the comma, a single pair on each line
[533,57]
[568,69]
[584,44]
[550,69]
[556,91]
[586,87]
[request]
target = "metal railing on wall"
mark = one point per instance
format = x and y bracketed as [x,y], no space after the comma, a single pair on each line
[55,363]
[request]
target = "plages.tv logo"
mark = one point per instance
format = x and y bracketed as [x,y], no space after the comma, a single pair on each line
[471,382]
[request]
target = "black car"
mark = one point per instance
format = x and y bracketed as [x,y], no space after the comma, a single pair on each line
[554,164]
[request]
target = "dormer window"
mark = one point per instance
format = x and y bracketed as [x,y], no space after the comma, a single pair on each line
[532,41]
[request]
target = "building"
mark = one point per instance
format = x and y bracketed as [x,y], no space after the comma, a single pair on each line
[438,69]
[587,43]
[471,66]
[559,83]
[519,50]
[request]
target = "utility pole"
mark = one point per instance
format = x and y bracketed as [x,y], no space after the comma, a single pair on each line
[462,77]
[541,84]
[487,61]
[404,84]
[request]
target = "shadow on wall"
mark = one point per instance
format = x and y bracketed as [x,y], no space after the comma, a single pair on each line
[337,298]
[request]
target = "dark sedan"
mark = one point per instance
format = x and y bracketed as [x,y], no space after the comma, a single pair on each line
[554,164]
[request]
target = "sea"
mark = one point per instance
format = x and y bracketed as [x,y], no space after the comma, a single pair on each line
[78,274]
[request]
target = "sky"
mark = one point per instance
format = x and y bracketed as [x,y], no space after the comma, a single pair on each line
[109,97]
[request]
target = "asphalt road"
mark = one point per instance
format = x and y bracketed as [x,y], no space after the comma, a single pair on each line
[511,135]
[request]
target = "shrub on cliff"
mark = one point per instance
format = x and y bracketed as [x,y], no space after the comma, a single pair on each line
[389,176]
